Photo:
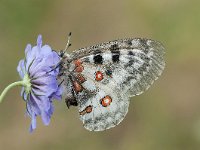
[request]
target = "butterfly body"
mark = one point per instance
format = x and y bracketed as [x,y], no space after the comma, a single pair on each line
[100,79]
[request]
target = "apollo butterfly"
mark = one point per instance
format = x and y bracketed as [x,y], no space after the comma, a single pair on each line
[100,79]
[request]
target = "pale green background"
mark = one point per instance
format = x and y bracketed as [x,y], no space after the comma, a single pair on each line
[166,117]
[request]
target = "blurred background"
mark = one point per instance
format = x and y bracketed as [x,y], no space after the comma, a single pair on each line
[166,117]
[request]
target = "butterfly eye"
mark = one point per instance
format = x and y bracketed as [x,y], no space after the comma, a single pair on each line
[99,76]
[106,101]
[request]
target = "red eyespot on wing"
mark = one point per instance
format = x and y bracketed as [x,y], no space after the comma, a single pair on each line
[106,101]
[88,109]
[99,76]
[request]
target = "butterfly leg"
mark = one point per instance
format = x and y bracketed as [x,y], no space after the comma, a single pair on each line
[71,102]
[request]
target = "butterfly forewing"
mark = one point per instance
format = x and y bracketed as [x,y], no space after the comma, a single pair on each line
[135,63]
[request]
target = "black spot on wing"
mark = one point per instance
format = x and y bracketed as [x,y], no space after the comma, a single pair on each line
[130,53]
[115,55]
[98,59]
[115,52]
[115,58]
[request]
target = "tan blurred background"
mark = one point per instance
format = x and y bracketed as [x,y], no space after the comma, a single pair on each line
[166,117]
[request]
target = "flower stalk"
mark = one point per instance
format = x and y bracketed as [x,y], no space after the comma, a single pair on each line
[18,83]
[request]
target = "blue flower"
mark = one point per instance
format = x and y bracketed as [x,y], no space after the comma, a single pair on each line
[39,74]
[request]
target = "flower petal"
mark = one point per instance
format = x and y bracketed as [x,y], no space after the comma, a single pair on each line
[58,94]
[45,118]
[21,68]
[33,122]
[45,51]
[33,106]
[28,49]
[23,94]
[39,41]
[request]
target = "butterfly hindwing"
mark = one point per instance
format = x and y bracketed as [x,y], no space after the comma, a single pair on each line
[106,110]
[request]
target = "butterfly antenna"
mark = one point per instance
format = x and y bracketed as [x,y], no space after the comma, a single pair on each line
[63,52]
[68,43]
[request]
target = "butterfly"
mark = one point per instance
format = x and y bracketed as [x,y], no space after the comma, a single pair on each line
[100,79]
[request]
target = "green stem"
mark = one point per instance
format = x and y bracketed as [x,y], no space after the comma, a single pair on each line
[18,83]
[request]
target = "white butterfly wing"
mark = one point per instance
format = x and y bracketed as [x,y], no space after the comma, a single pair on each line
[112,72]
[141,62]
[103,117]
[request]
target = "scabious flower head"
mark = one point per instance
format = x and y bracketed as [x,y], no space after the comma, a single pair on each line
[41,87]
